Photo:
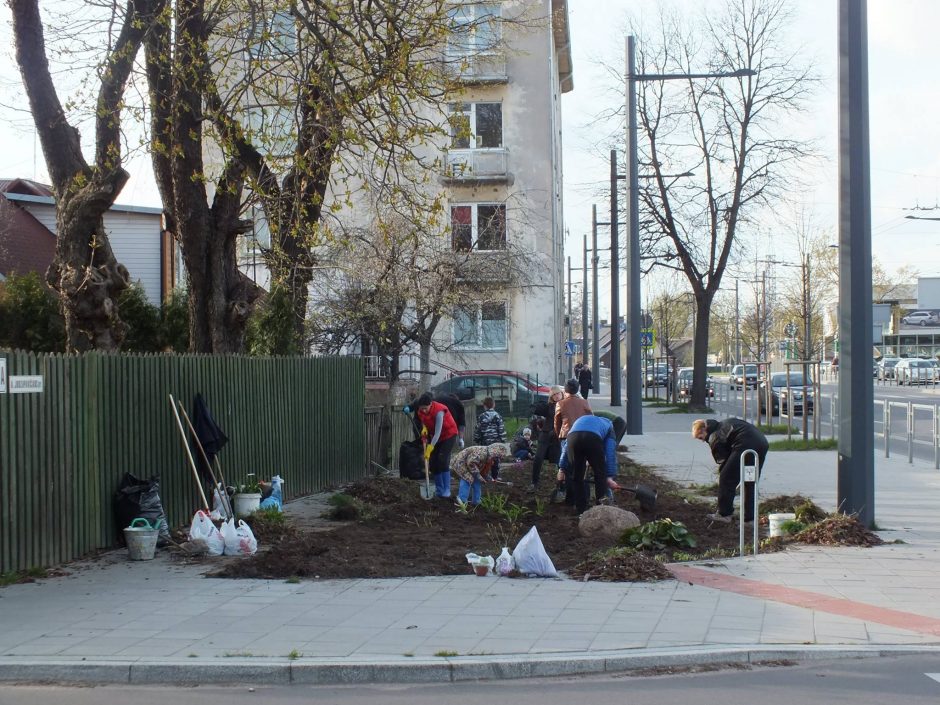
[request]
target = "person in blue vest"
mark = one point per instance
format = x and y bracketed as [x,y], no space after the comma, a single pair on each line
[591,439]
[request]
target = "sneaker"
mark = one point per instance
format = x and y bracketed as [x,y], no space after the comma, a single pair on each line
[719,518]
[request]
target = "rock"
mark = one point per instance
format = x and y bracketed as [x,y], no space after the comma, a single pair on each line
[604,520]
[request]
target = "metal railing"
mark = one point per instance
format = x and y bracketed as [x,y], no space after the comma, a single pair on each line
[476,164]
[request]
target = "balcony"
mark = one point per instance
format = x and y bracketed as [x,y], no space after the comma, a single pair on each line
[477,68]
[475,166]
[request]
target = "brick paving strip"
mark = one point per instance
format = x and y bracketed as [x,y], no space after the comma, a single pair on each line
[805,598]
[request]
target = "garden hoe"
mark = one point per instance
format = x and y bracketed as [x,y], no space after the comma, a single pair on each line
[646,496]
[426,491]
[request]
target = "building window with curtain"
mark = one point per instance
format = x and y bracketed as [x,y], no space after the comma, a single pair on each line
[478,226]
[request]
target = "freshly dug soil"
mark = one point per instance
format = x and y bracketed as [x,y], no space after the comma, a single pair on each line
[392,532]
[399,534]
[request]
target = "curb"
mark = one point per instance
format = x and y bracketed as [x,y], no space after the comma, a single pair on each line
[441,670]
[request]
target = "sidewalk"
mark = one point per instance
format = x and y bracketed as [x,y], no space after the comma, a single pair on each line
[162,622]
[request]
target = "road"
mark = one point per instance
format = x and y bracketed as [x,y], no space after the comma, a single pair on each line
[904,680]
[924,401]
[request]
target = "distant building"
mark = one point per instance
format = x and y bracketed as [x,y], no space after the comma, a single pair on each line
[28,237]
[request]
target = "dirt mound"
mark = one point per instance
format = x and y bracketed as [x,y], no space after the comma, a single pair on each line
[838,531]
[784,503]
[621,565]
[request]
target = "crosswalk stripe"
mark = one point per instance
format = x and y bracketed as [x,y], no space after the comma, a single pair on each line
[933,676]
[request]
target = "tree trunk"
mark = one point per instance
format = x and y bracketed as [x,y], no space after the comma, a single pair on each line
[703,304]
[84,272]
[425,365]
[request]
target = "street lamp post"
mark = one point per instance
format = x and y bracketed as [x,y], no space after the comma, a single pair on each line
[634,326]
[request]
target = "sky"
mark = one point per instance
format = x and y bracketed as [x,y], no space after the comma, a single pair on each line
[904,98]
[904,91]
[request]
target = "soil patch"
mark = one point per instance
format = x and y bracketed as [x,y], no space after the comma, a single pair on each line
[398,534]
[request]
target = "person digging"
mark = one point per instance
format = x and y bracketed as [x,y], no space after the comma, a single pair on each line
[728,439]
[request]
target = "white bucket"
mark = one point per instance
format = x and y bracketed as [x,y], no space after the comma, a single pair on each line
[246,503]
[777,521]
[141,540]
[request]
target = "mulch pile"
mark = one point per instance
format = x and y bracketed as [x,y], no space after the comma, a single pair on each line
[621,566]
[838,530]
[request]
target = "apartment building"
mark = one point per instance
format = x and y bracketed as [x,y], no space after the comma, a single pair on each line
[500,174]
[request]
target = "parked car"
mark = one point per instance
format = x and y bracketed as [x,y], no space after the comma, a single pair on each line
[886,367]
[915,371]
[502,385]
[744,376]
[920,318]
[684,383]
[780,398]
[656,375]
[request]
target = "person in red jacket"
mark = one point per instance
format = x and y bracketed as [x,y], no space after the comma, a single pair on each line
[440,432]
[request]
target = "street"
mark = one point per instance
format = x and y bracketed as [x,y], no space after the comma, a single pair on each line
[907,680]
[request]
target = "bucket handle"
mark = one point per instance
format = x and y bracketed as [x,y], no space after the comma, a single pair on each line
[146,523]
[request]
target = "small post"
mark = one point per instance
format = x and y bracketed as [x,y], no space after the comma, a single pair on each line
[749,473]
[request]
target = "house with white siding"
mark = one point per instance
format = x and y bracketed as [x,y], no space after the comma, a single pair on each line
[136,233]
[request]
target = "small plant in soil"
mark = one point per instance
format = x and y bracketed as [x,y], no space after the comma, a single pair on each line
[344,507]
[808,513]
[446,654]
[792,526]
[494,502]
[294,655]
[540,506]
[658,535]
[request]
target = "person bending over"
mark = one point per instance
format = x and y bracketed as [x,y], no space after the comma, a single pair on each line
[591,439]
[728,439]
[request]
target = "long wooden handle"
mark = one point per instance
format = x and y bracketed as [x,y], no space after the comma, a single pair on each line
[223,495]
[192,463]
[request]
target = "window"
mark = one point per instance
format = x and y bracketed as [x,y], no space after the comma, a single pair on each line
[476,125]
[271,36]
[478,226]
[475,29]
[481,326]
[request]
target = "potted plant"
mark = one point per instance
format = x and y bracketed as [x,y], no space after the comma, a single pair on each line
[247,497]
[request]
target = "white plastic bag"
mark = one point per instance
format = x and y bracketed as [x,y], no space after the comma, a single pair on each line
[239,541]
[219,508]
[531,558]
[202,529]
[482,565]
[505,562]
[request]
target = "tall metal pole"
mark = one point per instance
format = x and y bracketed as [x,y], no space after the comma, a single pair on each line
[570,312]
[596,350]
[614,286]
[585,331]
[763,298]
[737,326]
[856,476]
[634,325]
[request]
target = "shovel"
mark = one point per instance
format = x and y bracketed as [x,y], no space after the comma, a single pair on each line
[426,491]
[646,496]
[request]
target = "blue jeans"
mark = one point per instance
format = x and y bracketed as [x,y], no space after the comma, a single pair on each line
[442,484]
[463,493]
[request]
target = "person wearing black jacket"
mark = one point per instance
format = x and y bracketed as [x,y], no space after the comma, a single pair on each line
[548,446]
[585,380]
[728,439]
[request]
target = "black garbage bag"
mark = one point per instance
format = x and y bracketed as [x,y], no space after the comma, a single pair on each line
[140,498]
[411,460]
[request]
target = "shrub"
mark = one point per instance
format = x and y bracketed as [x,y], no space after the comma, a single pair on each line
[174,322]
[142,319]
[271,328]
[29,315]
[657,535]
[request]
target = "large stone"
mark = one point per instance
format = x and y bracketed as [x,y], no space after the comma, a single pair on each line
[606,521]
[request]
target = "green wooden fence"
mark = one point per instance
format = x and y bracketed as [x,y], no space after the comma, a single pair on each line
[63,451]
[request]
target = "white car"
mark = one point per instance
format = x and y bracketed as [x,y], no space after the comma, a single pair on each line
[920,318]
[915,371]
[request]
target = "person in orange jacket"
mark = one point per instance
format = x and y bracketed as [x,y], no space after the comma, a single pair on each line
[439,431]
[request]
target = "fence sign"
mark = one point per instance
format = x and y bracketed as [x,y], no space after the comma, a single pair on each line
[25,384]
[3,375]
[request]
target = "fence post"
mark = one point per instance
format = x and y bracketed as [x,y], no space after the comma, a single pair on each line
[887,422]
[936,437]
[910,432]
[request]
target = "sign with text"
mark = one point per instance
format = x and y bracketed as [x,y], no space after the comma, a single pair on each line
[25,384]
[3,375]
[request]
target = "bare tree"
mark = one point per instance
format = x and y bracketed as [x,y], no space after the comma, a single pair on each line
[84,273]
[726,131]
[393,284]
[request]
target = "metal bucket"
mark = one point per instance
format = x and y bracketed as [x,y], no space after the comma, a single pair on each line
[141,539]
